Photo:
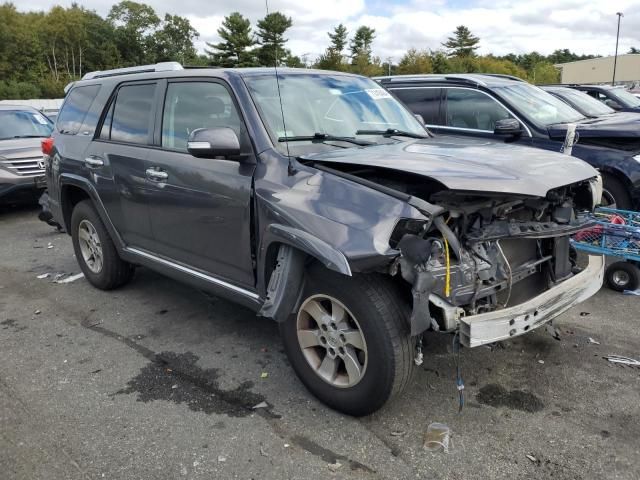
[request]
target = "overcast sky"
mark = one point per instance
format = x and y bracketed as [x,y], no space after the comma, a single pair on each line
[583,26]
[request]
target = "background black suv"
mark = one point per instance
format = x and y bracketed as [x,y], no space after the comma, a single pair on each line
[477,104]
[614,97]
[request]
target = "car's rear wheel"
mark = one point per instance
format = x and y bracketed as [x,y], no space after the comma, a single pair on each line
[349,342]
[623,276]
[95,251]
[614,193]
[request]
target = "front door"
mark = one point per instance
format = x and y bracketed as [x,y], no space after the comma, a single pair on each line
[200,209]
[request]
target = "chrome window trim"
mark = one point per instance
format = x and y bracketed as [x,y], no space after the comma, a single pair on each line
[443,87]
[193,272]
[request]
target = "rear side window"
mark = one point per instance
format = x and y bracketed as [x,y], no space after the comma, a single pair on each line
[131,120]
[75,108]
[423,101]
[471,109]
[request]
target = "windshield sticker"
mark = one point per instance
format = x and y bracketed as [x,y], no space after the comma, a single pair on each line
[40,119]
[378,93]
[335,91]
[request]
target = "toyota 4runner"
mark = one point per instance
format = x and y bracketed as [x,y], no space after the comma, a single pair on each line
[318,200]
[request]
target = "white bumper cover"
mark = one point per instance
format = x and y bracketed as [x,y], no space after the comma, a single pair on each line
[510,322]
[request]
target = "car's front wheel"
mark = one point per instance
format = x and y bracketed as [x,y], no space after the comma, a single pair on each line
[95,251]
[349,342]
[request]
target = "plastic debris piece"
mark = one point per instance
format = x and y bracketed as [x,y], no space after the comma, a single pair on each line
[632,292]
[173,387]
[263,452]
[286,445]
[594,342]
[334,466]
[541,362]
[222,458]
[532,458]
[437,437]
[71,278]
[398,433]
[623,360]
[264,375]
[584,314]
[37,312]
[261,405]
[49,246]
[43,275]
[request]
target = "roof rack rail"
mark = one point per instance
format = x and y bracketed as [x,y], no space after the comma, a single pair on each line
[503,75]
[158,67]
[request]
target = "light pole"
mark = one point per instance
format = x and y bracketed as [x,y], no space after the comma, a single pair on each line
[615,59]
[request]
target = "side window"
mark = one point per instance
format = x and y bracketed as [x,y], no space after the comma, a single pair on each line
[473,110]
[423,101]
[192,105]
[131,120]
[75,108]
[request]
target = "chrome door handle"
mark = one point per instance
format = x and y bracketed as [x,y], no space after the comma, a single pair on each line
[93,162]
[157,175]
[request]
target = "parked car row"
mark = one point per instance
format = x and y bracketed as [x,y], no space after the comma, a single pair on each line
[319,200]
[507,109]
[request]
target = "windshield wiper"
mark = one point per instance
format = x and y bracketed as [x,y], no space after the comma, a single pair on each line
[321,137]
[391,132]
[27,136]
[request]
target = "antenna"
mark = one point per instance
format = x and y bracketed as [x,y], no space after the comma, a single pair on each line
[290,169]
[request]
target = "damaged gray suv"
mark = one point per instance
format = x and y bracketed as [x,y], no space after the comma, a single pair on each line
[317,200]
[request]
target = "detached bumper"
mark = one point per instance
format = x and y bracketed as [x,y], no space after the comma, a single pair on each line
[519,319]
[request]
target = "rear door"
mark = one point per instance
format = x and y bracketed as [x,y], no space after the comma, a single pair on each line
[201,208]
[424,101]
[117,159]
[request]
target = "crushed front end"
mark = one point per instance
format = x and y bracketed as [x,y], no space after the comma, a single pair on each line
[494,266]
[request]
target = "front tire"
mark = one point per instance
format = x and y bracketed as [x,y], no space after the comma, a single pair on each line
[95,251]
[615,194]
[349,342]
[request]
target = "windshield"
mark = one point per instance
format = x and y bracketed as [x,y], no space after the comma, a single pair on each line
[537,105]
[330,106]
[625,98]
[23,124]
[584,102]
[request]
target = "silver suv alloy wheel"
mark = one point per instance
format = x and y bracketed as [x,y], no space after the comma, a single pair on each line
[331,341]
[90,246]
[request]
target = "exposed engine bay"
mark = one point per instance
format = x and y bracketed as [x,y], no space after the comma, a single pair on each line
[481,252]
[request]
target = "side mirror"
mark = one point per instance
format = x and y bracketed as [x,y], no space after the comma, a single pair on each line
[507,126]
[213,142]
[420,118]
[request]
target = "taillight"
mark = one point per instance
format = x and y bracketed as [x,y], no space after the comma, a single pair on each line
[47,146]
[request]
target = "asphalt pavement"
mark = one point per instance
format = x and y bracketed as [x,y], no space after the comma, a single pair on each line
[158,381]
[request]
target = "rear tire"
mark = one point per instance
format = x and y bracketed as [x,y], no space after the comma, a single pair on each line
[95,251]
[615,194]
[380,358]
[623,276]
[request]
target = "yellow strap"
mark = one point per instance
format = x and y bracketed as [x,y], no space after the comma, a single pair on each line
[447,278]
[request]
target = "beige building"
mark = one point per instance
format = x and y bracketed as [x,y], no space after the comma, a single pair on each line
[600,70]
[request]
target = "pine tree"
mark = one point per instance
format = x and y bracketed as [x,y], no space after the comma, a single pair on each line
[332,58]
[462,44]
[235,49]
[361,45]
[271,31]
[338,39]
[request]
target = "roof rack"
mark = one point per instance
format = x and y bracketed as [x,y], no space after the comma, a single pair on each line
[502,75]
[158,67]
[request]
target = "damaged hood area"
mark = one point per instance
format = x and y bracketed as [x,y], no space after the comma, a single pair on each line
[469,165]
[618,125]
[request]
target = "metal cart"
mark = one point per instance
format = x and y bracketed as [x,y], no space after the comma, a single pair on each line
[615,233]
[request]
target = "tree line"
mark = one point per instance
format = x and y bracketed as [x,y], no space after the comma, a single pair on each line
[40,52]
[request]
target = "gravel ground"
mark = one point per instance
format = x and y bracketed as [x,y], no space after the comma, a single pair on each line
[157,381]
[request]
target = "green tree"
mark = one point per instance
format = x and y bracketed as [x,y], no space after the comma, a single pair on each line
[332,59]
[634,50]
[271,30]
[134,25]
[415,61]
[544,72]
[235,50]
[462,44]
[174,40]
[361,45]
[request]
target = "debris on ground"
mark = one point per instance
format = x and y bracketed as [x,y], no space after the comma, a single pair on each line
[49,245]
[222,458]
[264,375]
[261,405]
[37,312]
[286,445]
[398,433]
[334,466]
[532,458]
[594,342]
[437,437]
[541,362]
[553,331]
[584,314]
[69,279]
[263,452]
[623,360]
[43,275]
[632,292]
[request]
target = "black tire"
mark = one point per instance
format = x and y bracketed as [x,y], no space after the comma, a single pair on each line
[615,193]
[114,271]
[623,276]
[382,316]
